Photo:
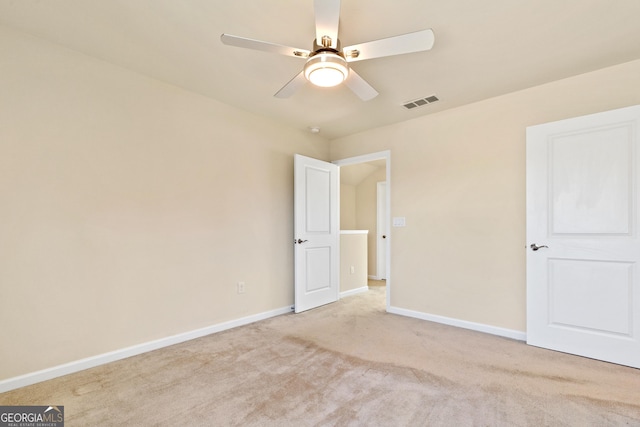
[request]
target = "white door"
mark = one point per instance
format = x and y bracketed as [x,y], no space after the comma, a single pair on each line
[583,283]
[381,231]
[316,232]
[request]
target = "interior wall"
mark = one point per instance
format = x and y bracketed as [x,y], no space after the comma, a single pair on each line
[458,177]
[348,207]
[131,208]
[353,260]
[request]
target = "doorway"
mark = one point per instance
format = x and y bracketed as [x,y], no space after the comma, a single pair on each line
[361,211]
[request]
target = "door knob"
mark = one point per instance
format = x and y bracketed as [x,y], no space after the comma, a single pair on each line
[536,247]
[384,236]
[300,241]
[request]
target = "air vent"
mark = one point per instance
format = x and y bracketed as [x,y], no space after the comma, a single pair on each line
[409,105]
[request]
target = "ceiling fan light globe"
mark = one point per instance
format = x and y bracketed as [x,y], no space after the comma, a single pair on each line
[326,70]
[326,77]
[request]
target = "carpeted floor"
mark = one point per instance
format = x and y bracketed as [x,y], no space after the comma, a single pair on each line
[348,363]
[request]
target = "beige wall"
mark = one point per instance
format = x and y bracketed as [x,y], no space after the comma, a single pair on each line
[348,207]
[459,179]
[353,253]
[131,208]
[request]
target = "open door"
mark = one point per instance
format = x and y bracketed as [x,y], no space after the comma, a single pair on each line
[316,232]
[583,253]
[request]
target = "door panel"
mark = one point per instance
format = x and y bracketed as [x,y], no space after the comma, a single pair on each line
[591,179]
[316,231]
[319,268]
[318,199]
[583,287]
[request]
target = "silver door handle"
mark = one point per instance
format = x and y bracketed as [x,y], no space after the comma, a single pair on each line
[299,241]
[536,247]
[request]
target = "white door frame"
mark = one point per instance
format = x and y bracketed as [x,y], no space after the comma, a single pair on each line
[365,158]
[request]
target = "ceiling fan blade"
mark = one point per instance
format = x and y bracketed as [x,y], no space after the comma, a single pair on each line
[294,84]
[327,20]
[360,87]
[406,43]
[230,40]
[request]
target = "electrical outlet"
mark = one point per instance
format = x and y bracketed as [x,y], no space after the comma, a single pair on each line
[241,287]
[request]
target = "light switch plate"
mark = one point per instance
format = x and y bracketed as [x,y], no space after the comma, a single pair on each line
[399,221]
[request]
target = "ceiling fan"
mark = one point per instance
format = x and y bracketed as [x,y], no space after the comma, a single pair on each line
[328,63]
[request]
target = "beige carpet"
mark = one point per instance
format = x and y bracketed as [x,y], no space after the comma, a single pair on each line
[348,363]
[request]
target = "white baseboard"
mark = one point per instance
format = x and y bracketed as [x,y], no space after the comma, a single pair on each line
[354,291]
[371,277]
[480,327]
[101,359]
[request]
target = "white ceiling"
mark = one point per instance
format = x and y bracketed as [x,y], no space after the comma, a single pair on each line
[482,48]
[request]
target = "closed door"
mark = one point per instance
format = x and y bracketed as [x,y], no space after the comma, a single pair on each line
[583,278]
[316,232]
